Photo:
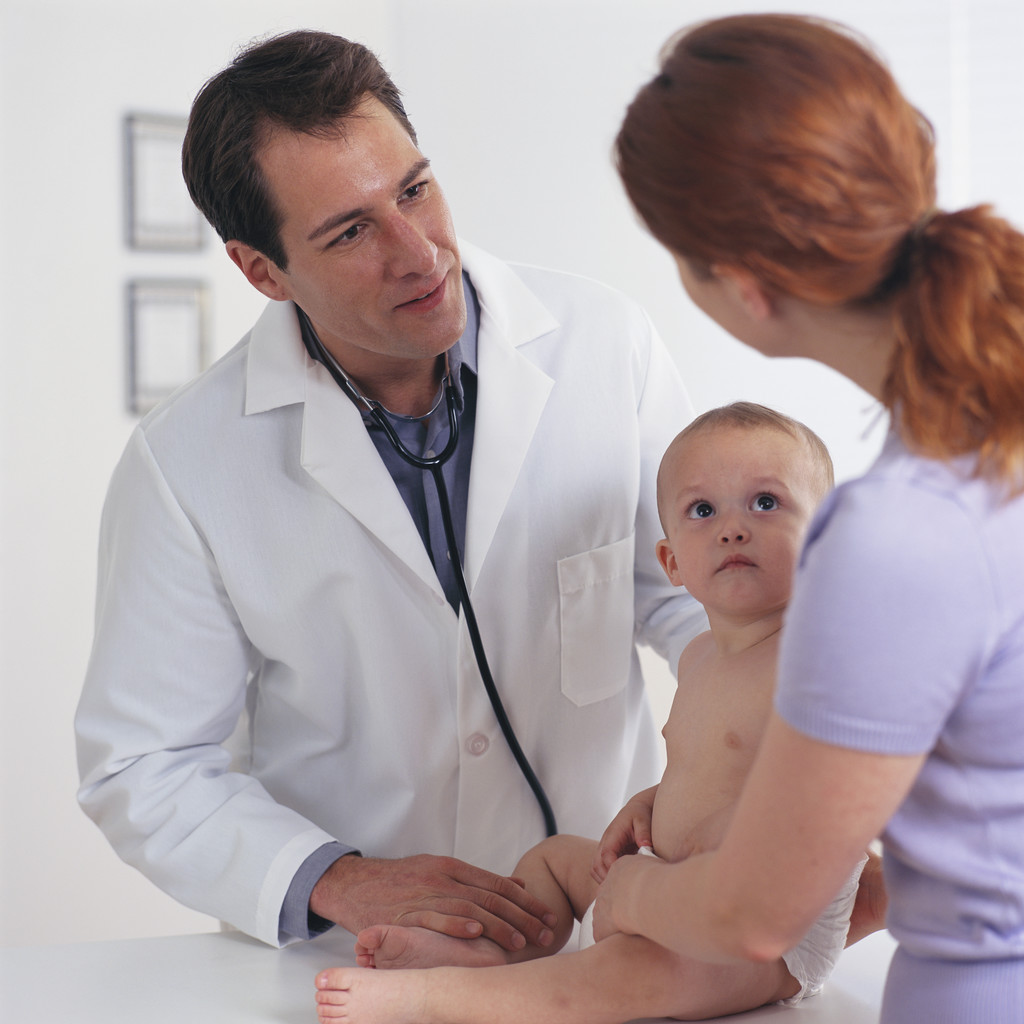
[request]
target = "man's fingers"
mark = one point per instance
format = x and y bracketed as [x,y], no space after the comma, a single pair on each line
[455,924]
[510,890]
[442,894]
[500,912]
[495,898]
[496,918]
[477,924]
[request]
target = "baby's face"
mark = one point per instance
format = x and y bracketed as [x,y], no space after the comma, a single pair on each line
[736,503]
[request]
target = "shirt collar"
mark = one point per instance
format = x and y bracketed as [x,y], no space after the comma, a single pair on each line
[463,352]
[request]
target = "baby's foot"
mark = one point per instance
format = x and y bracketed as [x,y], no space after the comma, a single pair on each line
[368,997]
[389,946]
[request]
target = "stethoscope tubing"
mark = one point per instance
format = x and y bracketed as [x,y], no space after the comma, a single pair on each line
[435,465]
[550,826]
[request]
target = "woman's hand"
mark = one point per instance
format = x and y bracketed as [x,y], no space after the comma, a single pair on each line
[872,901]
[613,893]
[630,829]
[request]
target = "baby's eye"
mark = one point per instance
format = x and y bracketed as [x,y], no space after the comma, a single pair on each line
[700,510]
[766,503]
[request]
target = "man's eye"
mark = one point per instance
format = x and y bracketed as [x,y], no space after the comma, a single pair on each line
[413,191]
[700,510]
[350,235]
[766,503]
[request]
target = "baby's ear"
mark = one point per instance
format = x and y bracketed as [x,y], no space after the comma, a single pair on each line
[667,560]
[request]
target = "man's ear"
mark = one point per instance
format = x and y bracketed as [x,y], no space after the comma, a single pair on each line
[260,271]
[748,289]
[667,560]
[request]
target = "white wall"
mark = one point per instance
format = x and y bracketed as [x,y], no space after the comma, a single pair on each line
[517,104]
[68,73]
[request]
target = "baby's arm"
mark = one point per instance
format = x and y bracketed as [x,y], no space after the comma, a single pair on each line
[630,829]
[707,835]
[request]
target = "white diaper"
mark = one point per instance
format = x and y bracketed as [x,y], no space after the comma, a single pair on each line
[587,923]
[813,960]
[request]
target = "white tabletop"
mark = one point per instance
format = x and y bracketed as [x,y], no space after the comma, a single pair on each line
[231,979]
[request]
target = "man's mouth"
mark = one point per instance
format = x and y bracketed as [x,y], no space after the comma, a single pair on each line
[428,300]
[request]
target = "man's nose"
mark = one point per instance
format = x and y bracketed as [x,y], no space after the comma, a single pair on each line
[411,251]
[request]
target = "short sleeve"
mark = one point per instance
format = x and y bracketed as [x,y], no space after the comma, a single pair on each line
[888,622]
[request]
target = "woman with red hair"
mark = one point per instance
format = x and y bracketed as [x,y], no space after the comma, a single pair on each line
[778,161]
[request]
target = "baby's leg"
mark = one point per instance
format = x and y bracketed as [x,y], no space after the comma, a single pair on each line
[620,979]
[556,870]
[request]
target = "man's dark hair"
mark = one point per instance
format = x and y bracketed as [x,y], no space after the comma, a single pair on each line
[302,81]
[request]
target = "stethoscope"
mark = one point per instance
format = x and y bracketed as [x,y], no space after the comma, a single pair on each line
[434,465]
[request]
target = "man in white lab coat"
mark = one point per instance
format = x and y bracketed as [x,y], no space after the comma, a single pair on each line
[283,723]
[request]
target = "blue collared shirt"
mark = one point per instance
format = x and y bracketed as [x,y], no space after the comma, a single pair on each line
[425,438]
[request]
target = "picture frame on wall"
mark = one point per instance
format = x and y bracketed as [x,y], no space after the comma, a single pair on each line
[159,213]
[167,338]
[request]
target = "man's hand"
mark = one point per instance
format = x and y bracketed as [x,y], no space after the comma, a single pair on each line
[630,829]
[872,901]
[439,893]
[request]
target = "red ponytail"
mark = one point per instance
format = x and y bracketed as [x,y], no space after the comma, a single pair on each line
[957,376]
[782,144]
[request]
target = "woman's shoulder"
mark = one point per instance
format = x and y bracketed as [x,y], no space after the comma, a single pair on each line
[914,523]
[905,496]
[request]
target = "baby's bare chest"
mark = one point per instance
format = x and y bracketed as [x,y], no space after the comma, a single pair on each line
[718,721]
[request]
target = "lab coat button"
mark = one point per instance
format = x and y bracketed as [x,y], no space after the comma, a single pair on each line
[477,744]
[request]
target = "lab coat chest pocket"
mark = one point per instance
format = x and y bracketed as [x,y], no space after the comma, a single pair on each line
[596,604]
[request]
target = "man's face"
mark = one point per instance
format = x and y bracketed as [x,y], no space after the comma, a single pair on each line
[736,504]
[372,255]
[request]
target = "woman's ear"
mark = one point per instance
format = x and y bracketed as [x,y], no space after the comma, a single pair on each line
[749,290]
[259,270]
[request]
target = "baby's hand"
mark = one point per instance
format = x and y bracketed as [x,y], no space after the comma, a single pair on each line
[630,829]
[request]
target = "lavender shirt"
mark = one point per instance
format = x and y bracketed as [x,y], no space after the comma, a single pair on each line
[905,635]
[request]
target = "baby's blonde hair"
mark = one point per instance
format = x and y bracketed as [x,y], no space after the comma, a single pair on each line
[751,416]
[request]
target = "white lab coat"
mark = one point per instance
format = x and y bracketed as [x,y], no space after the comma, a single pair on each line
[263,589]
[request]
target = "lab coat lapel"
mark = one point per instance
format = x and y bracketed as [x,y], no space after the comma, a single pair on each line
[512,393]
[336,449]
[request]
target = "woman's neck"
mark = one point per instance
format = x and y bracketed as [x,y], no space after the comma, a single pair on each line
[857,343]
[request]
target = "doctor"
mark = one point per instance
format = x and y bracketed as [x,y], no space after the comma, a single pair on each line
[283,722]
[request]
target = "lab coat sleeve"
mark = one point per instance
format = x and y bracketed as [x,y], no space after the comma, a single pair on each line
[667,617]
[155,714]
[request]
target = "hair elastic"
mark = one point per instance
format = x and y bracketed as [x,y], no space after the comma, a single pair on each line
[921,225]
